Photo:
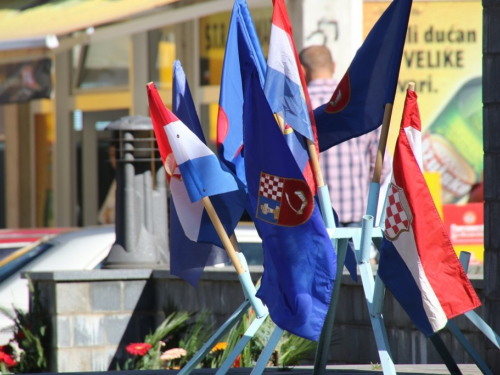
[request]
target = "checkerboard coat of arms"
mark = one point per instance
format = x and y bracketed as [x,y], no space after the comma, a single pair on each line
[284,201]
[398,213]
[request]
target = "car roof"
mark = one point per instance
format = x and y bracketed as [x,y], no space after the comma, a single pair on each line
[79,250]
[22,236]
[82,249]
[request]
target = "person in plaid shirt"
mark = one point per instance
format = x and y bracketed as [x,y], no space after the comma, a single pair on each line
[347,167]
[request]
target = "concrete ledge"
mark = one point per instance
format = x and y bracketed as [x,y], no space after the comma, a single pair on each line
[210,273]
[94,275]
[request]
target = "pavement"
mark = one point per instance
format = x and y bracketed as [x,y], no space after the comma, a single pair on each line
[435,369]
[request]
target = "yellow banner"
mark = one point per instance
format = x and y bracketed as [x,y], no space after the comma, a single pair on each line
[443,56]
[213,36]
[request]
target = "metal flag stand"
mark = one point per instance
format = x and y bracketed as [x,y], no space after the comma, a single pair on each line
[375,290]
[362,239]
[472,315]
[249,290]
[261,315]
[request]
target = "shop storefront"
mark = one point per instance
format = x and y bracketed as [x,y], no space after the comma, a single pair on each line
[57,169]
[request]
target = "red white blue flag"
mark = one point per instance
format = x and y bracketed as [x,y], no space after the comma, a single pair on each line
[417,261]
[194,172]
[286,91]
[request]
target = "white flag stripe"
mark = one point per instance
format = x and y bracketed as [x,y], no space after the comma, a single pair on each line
[415,138]
[185,144]
[281,56]
[432,306]
[190,214]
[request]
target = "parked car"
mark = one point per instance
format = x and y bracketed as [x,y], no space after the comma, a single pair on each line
[79,249]
[13,239]
[250,243]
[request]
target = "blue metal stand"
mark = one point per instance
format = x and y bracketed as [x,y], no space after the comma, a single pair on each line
[251,300]
[468,347]
[472,315]
[364,244]
[265,355]
[250,332]
[445,355]
[362,239]
[221,332]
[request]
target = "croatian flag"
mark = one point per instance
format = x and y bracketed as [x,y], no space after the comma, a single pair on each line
[193,172]
[417,261]
[188,258]
[284,89]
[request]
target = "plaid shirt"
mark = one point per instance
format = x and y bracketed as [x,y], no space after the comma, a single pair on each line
[348,167]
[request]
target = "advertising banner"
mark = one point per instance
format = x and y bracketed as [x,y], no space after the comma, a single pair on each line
[25,81]
[465,226]
[443,56]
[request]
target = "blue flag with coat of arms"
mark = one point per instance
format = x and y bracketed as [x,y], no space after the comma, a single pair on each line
[357,104]
[299,258]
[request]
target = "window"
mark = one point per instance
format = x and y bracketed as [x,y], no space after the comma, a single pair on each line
[104,64]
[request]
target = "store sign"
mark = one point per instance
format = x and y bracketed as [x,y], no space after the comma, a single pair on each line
[26,81]
[464,223]
[443,56]
[465,226]
[213,36]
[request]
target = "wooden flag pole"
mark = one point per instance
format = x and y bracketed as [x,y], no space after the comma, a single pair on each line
[320,182]
[382,144]
[243,274]
[223,235]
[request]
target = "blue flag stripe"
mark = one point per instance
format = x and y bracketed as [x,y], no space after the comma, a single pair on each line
[285,98]
[401,283]
[204,177]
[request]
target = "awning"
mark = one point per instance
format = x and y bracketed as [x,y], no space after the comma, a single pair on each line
[26,21]
[32,30]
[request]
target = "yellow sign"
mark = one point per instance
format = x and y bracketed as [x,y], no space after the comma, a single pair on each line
[213,36]
[443,56]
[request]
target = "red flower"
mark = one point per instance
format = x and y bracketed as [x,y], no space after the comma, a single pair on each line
[237,361]
[139,348]
[7,349]
[7,359]
[20,335]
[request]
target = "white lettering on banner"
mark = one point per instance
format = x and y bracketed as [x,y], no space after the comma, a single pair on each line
[466,234]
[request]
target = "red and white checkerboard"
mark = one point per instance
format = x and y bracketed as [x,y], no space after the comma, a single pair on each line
[271,187]
[397,218]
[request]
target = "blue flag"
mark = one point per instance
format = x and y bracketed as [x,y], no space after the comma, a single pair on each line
[357,105]
[230,117]
[299,258]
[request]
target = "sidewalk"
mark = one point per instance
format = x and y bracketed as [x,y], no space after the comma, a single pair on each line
[435,369]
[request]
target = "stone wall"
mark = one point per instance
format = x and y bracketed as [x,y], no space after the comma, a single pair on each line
[95,314]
